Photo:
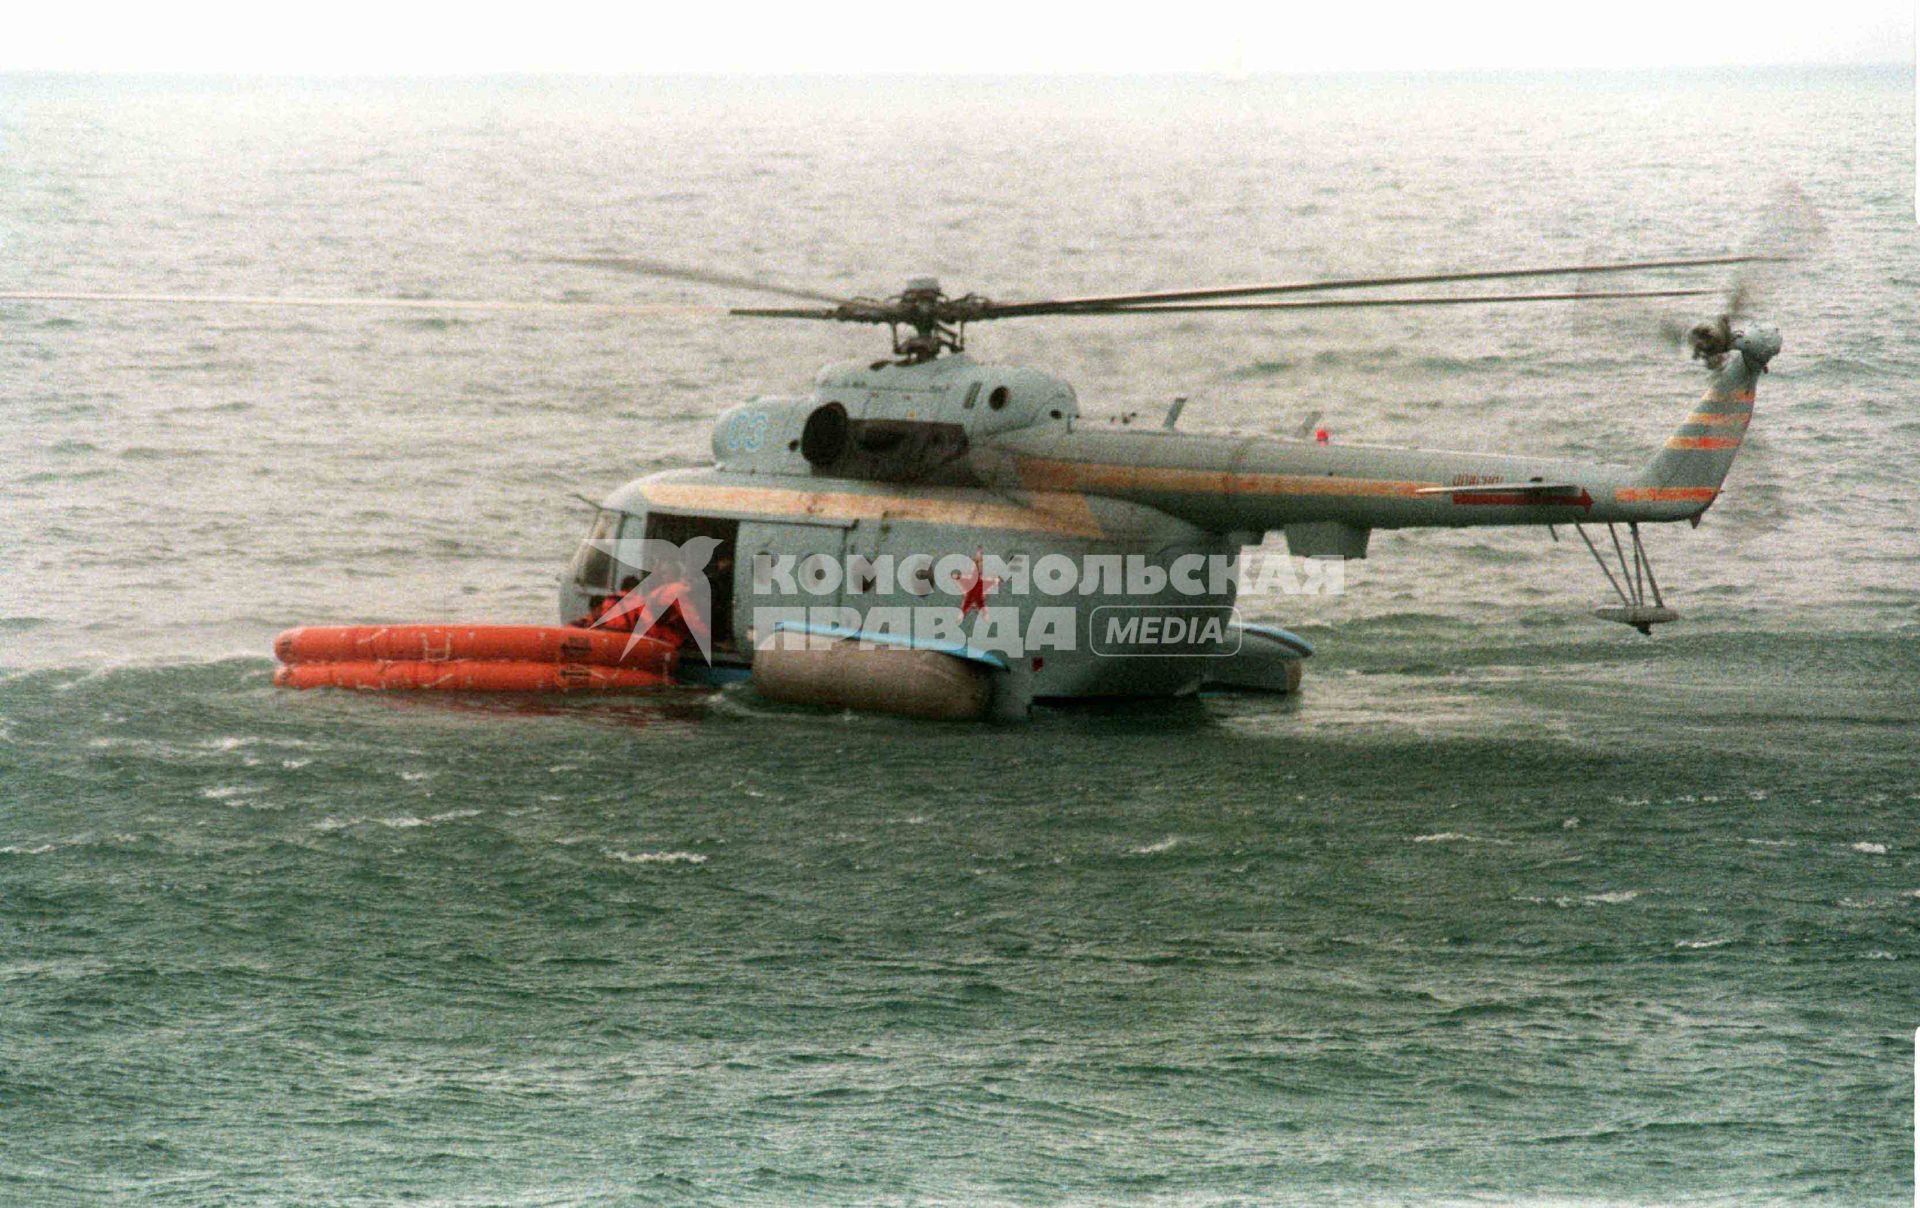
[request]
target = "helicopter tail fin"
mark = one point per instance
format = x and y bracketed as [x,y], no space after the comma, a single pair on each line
[1698,455]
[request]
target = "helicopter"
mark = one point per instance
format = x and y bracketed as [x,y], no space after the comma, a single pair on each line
[929,535]
[893,539]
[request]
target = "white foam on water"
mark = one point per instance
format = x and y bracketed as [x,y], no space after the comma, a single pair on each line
[1871,849]
[234,742]
[227,792]
[1701,943]
[1567,901]
[656,857]
[1166,844]
[1771,842]
[15,849]
[409,821]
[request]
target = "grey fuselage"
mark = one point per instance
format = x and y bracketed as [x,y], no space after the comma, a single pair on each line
[952,457]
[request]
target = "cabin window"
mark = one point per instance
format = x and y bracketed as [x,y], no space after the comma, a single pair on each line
[973,394]
[998,399]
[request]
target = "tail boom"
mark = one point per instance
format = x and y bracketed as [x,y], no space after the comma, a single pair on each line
[1256,484]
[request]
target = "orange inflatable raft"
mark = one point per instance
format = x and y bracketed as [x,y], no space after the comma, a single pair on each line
[471,658]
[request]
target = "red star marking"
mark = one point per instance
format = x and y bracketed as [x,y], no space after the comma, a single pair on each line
[974,587]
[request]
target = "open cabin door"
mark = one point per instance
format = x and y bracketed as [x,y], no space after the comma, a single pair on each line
[723,567]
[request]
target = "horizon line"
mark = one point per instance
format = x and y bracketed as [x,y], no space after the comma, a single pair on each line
[1224,74]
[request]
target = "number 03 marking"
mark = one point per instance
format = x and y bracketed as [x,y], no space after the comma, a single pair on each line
[747,432]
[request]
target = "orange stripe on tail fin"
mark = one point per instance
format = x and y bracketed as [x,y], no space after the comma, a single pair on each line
[1693,464]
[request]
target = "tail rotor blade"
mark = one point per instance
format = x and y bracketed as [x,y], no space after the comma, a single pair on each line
[1789,230]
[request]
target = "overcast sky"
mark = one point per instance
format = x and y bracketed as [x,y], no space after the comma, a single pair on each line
[982,36]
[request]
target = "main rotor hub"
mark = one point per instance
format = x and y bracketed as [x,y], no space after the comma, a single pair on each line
[937,324]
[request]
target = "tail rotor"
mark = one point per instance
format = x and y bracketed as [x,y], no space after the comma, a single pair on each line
[1788,231]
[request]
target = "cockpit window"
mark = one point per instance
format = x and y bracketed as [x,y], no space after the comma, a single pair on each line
[593,564]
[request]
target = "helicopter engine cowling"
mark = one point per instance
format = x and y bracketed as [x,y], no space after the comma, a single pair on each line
[884,450]
[822,439]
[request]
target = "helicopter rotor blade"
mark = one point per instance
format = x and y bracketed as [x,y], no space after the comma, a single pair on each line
[1673,330]
[435,304]
[1788,231]
[1363,303]
[1162,297]
[700,276]
[852,312]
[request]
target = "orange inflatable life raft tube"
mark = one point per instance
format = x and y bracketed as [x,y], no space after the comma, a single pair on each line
[472,658]
[508,643]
